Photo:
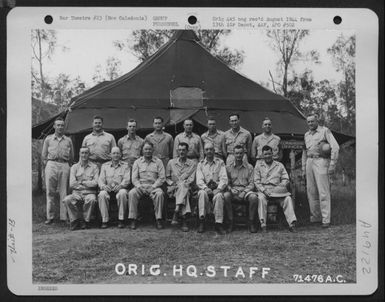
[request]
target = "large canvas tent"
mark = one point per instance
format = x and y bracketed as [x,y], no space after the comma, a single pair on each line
[182,79]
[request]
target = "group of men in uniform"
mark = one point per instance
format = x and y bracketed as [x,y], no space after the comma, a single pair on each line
[214,166]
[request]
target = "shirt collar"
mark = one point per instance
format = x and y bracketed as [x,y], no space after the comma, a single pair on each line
[128,137]
[187,162]
[98,134]
[233,164]
[188,135]
[118,164]
[143,159]
[86,165]
[58,138]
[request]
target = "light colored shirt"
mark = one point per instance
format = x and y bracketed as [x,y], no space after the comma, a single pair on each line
[215,171]
[312,144]
[178,171]
[242,137]
[113,175]
[266,177]
[163,144]
[86,175]
[262,140]
[218,140]
[131,148]
[195,148]
[148,172]
[55,148]
[241,177]
[100,145]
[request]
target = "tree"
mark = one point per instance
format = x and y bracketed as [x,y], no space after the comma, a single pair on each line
[286,42]
[110,71]
[64,89]
[343,53]
[144,43]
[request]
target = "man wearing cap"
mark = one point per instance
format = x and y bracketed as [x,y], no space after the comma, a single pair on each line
[211,179]
[148,176]
[216,137]
[241,188]
[114,180]
[237,135]
[180,175]
[162,141]
[83,182]
[271,180]
[317,168]
[99,142]
[57,156]
[131,144]
[195,148]
[266,138]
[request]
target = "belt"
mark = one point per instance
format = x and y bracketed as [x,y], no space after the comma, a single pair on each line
[313,156]
[59,160]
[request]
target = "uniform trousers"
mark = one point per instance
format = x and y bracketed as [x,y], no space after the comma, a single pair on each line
[285,202]
[211,203]
[104,204]
[182,197]
[135,195]
[80,205]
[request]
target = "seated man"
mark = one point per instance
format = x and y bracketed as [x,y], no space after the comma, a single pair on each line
[241,186]
[114,180]
[84,183]
[148,176]
[180,174]
[211,181]
[271,180]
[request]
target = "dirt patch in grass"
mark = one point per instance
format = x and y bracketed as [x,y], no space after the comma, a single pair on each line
[90,256]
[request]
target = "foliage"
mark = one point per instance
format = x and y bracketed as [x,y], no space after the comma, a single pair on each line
[110,71]
[144,43]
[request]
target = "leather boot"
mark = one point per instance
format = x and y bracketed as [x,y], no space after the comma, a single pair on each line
[230,226]
[201,227]
[185,227]
[219,229]
[174,220]
[252,227]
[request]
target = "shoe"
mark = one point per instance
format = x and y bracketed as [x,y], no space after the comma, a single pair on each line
[230,227]
[74,225]
[175,219]
[263,229]
[48,221]
[252,227]
[133,224]
[104,225]
[201,227]
[159,224]
[325,225]
[83,225]
[184,227]
[292,227]
[219,229]
[121,224]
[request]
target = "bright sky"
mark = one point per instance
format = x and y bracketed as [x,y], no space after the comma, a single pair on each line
[87,48]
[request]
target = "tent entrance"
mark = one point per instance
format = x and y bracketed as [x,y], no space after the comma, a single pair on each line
[185,102]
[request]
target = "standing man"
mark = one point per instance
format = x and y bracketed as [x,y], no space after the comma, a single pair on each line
[266,138]
[195,148]
[84,183]
[240,188]
[99,143]
[130,145]
[162,141]
[216,137]
[211,181]
[148,176]
[237,135]
[271,180]
[57,156]
[317,166]
[180,174]
[114,180]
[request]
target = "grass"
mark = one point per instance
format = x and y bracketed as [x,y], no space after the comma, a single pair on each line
[90,256]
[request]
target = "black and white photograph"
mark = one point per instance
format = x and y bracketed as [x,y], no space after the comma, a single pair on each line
[196,155]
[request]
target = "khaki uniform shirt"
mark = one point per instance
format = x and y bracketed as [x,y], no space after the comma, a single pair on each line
[218,140]
[242,137]
[241,177]
[114,175]
[131,148]
[266,177]
[59,149]
[177,172]
[148,173]
[262,140]
[80,173]
[100,145]
[195,148]
[163,144]
[312,143]
[215,171]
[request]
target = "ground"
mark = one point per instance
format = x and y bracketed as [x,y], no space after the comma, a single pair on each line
[62,256]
